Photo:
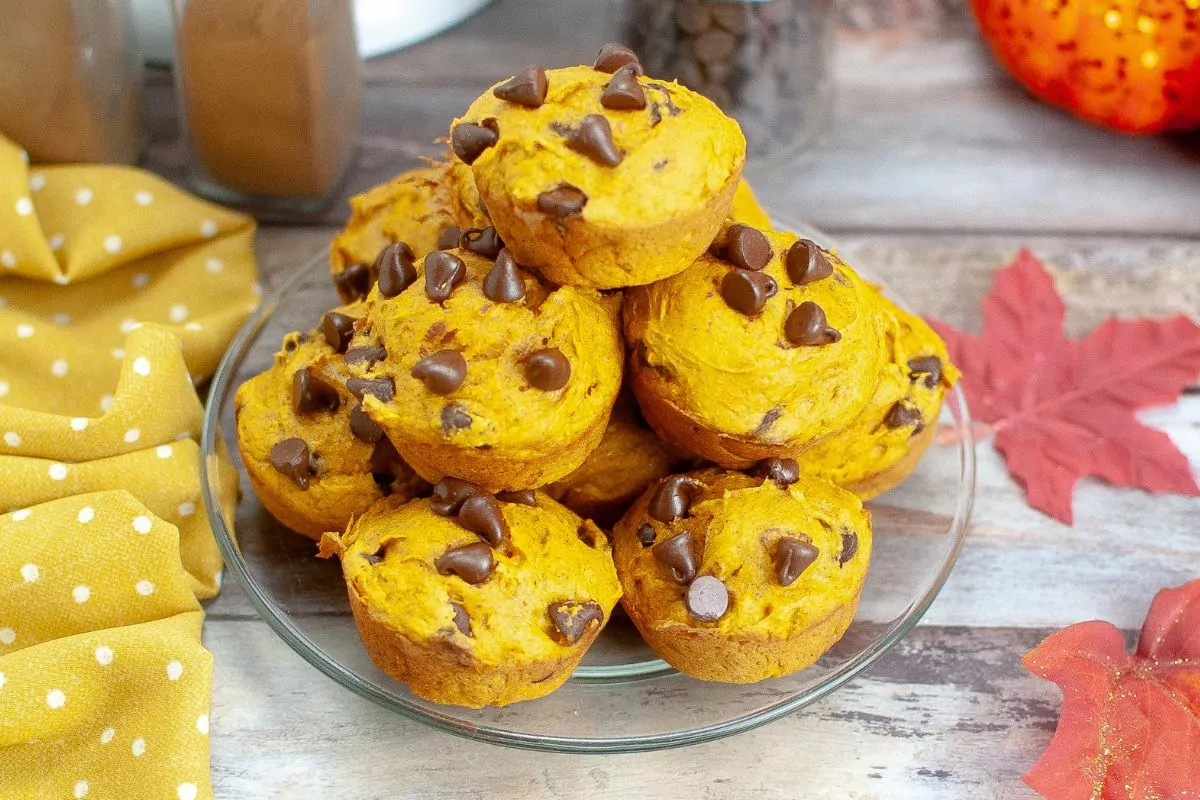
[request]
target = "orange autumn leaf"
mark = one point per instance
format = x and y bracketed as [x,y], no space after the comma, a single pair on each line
[1130,724]
[1132,65]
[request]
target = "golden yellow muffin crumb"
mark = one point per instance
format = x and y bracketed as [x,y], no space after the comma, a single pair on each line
[467,623]
[882,446]
[736,364]
[595,193]
[313,458]
[630,457]
[420,207]
[488,374]
[736,578]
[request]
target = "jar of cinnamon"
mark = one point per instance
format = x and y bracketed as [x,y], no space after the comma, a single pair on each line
[70,80]
[269,92]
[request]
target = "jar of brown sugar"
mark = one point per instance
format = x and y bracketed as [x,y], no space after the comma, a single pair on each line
[70,80]
[269,92]
[767,63]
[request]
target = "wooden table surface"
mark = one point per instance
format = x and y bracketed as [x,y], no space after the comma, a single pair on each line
[935,170]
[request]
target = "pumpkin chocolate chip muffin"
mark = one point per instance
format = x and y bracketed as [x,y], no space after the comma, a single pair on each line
[630,457]
[760,349]
[735,577]
[746,208]
[483,372]
[883,444]
[313,456]
[425,208]
[600,176]
[474,599]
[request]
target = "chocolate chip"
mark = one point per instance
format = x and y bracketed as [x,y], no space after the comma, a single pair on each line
[382,388]
[454,417]
[783,471]
[395,269]
[613,56]
[771,416]
[571,619]
[673,497]
[807,263]
[367,353]
[291,458]
[385,461]
[901,416]
[462,620]
[354,282]
[747,247]
[363,427]
[504,283]
[449,494]
[472,562]
[929,366]
[807,326]
[849,548]
[470,140]
[481,241]
[645,534]
[481,514]
[675,553]
[792,556]
[594,139]
[563,201]
[707,599]
[443,271]
[449,237]
[524,497]
[623,92]
[547,369]
[442,372]
[338,329]
[584,533]
[747,292]
[527,88]
[374,558]
[312,393]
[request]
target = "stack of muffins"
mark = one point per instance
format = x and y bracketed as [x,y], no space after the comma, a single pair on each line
[577,366]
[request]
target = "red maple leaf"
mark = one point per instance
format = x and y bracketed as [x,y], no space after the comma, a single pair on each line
[1130,725]
[1062,409]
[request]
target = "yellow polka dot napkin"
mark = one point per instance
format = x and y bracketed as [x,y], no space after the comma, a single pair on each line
[104,685]
[117,292]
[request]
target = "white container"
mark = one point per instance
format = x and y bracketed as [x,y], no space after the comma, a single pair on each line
[381,25]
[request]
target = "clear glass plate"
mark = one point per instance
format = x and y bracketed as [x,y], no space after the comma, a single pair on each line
[622,698]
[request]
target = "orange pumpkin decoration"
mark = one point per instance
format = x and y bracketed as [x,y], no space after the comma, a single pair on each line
[1132,65]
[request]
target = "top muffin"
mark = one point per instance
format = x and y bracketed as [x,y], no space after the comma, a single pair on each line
[600,176]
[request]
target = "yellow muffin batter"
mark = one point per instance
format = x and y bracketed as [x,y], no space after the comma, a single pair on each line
[630,457]
[785,602]
[347,474]
[513,635]
[416,207]
[882,445]
[599,196]
[730,386]
[492,425]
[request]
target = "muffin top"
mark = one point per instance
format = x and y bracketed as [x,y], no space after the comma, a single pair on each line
[559,138]
[547,585]
[785,348]
[908,399]
[481,354]
[300,419]
[738,553]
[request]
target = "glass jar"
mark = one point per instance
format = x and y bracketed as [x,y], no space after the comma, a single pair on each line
[269,92]
[70,80]
[767,63]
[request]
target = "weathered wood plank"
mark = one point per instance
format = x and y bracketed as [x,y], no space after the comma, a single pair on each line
[948,714]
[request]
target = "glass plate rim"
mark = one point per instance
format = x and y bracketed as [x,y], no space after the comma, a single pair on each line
[278,620]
